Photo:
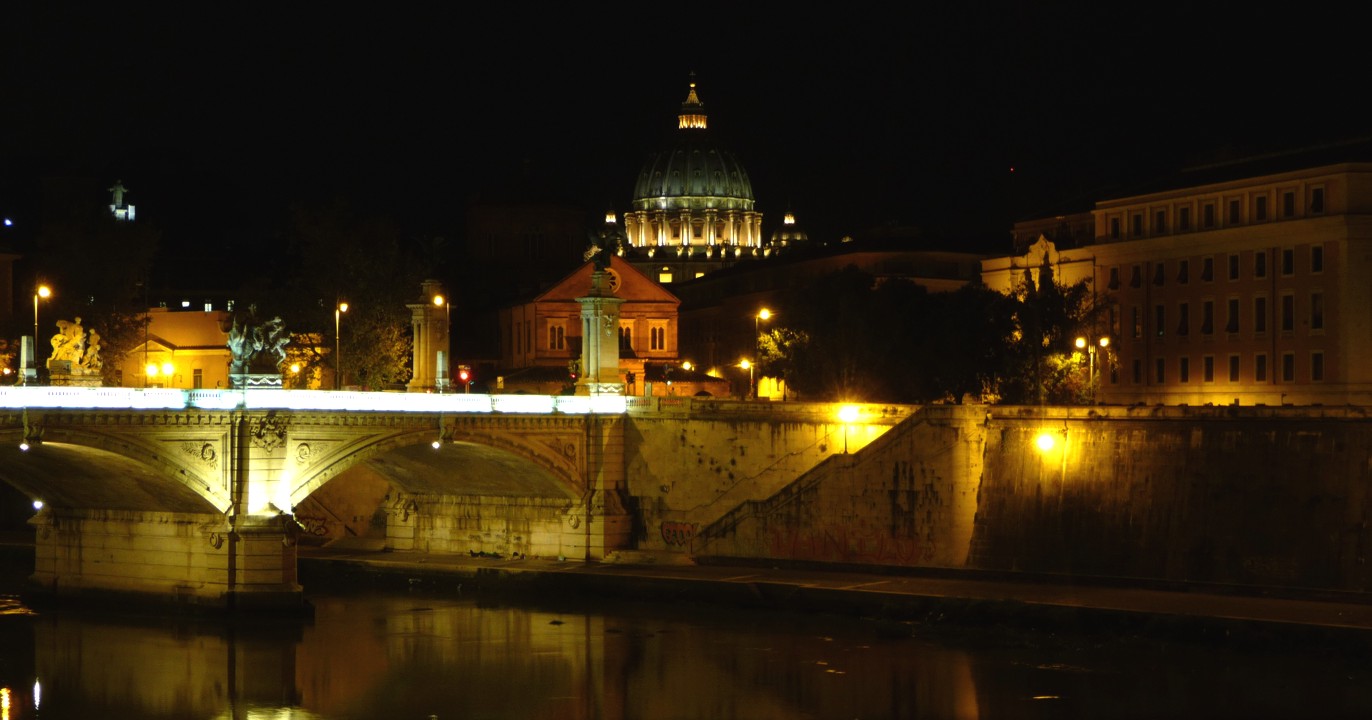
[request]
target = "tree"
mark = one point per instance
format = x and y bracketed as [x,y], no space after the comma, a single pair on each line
[330,254]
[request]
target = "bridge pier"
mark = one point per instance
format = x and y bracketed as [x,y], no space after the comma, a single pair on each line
[189,560]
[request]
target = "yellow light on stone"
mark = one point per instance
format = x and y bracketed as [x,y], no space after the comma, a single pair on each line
[1045,441]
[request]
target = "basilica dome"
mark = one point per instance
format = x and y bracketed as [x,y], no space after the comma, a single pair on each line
[693,198]
[694,172]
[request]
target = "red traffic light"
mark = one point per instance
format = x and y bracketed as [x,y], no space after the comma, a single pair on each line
[464,374]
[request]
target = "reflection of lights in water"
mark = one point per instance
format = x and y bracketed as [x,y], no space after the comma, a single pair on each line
[37,694]
[5,703]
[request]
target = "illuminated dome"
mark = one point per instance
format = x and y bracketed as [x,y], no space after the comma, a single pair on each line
[694,197]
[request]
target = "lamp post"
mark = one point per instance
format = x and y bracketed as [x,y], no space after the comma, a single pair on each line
[1090,347]
[42,291]
[338,311]
[745,364]
[763,314]
[847,414]
[440,301]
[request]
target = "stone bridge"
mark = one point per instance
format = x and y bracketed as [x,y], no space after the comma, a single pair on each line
[204,495]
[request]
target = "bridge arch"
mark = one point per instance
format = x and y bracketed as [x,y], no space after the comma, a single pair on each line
[80,468]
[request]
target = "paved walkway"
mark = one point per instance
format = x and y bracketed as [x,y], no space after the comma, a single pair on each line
[902,596]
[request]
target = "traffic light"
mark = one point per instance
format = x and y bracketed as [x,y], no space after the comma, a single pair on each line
[464,374]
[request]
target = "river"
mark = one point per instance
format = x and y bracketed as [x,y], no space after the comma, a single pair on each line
[452,656]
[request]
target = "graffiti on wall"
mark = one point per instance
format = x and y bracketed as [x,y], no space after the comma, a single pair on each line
[678,533]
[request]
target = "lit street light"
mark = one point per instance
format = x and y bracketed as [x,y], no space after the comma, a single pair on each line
[44,292]
[440,301]
[1090,347]
[338,311]
[763,314]
[749,367]
[847,414]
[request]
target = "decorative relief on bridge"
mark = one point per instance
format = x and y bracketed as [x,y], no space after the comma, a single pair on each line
[202,451]
[268,433]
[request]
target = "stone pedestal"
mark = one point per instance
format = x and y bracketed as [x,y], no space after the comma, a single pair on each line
[255,381]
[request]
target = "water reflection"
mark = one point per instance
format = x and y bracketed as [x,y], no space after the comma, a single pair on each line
[411,656]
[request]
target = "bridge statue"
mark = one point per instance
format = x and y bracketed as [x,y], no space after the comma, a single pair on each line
[75,356]
[257,349]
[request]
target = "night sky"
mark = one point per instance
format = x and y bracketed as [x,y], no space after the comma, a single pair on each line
[964,120]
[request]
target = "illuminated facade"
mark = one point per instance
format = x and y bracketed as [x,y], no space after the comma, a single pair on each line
[1247,290]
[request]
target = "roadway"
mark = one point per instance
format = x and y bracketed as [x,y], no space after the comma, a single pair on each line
[1047,603]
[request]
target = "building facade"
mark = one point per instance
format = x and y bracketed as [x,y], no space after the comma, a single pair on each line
[1247,290]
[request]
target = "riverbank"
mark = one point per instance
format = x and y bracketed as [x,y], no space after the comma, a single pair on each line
[1051,604]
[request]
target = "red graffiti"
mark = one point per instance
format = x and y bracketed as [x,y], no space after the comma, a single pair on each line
[678,533]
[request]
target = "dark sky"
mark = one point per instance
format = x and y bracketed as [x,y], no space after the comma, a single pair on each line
[893,115]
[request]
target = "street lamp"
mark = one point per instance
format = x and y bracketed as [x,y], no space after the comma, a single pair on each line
[43,291]
[1090,347]
[746,365]
[763,314]
[440,301]
[338,311]
[847,414]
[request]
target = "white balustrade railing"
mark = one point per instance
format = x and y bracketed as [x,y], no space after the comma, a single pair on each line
[79,398]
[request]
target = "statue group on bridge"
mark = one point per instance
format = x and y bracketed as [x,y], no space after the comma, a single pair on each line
[257,347]
[75,349]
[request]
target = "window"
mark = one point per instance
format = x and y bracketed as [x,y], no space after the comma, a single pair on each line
[1260,367]
[1234,267]
[1207,269]
[1114,278]
[1183,219]
[1208,368]
[1138,322]
[1183,271]
[1160,222]
[1184,370]
[1316,311]
[1259,315]
[1288,312]
[557,335]
[1316,206]
[1316,366]
[1158,270]
[1288,367]
[1114,228]
[1184,321]
[1260,208]
[1208,216]
[626,335]
[1136,223]
[1231,323]
[1288,204]
[1260,264]
[664,276]
[1159,371]
[657,335]
[1159,319]
[1234,211]
[1233,368]
[197,379]
[1136,277]
[1138,371]
[1115,320]
[1316,258]
[1208,317]
[1288,262]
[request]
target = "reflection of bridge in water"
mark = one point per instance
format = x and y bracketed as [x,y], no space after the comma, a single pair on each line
[195,493]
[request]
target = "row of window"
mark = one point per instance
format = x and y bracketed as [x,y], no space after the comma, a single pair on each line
[657,336]
[1286,316]
[1287,258]
[1210,213]
[1206,373]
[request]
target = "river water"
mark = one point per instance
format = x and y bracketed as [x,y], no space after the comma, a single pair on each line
[400,655]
